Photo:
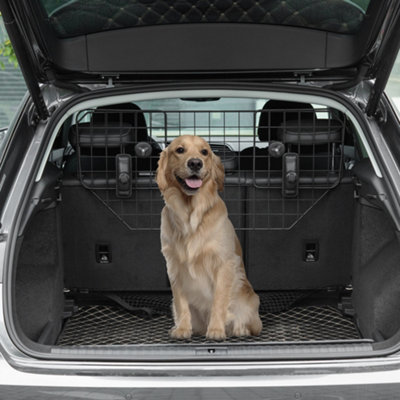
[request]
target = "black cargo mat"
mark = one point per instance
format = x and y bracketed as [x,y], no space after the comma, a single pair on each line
[138,319]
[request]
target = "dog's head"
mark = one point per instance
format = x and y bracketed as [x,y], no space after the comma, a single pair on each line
[189,163]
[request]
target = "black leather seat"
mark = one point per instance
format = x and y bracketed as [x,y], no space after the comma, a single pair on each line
[272,115]
[317,143]
[113,130]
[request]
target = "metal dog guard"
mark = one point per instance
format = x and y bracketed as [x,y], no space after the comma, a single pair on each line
[278,163]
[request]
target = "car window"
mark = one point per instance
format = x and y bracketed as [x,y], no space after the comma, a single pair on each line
[393,86]
[79,17]
[13,89]
[3,135]
[217,119]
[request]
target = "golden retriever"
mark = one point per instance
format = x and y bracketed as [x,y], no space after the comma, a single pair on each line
[211,294]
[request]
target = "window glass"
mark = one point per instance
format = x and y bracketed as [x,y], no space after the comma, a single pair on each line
[393,86]
[219,117]
[12,90]
[12,85]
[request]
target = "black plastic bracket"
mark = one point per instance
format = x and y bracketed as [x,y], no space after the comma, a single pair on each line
[311,251]
[103,253]
[290,178]
[124,175]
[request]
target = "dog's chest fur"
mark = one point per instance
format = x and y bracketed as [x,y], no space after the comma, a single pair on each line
[192,248]
[192,254]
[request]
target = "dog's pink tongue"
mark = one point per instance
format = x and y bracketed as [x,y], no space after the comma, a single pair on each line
[193,183]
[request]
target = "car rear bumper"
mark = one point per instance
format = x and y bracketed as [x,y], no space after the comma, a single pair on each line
[24,385]
[35,379]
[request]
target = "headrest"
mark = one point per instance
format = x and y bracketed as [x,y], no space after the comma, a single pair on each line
[228,157]
[275,112]
[311,132]
[98,136]
[124,110]
[122,113]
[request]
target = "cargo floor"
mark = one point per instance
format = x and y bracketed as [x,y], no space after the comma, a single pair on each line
[131,319]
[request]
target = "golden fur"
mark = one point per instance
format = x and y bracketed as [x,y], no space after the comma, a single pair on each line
[211,294]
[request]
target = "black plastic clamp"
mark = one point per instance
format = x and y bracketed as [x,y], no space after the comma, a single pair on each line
[123,170]
[290,175]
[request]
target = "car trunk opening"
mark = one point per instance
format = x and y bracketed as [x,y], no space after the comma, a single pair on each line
[319,248]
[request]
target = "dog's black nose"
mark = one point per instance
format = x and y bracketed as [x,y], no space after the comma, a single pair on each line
[195,164]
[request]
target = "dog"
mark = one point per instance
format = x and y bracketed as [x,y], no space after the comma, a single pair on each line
[211,294]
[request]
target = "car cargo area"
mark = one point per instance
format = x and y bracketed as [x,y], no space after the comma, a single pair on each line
[143,318]
[319,247]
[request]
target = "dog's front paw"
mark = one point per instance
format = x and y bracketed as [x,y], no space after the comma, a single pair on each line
[216,334]
[180,333]
[240,331]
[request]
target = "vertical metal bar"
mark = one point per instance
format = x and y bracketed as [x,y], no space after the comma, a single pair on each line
[79,149]
[254,147]
[300,156]
[333,156]
[224,130]
[239,175]
[314,134]
[253,189]
[194,126]
[209,125]
[269,185]
[122,150]
[342,143]
[150,181]
[283,198]
[269,144]
[91,152]
[180,122]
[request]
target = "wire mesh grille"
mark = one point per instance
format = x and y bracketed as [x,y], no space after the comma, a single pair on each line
[113,325]
[278,163]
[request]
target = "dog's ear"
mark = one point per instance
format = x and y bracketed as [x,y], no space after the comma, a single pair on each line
[161,178]
[218,172]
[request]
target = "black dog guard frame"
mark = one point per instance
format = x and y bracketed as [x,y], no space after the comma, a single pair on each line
[278,163]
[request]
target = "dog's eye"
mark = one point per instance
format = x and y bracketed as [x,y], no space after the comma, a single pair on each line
[204,152]
[180,150]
